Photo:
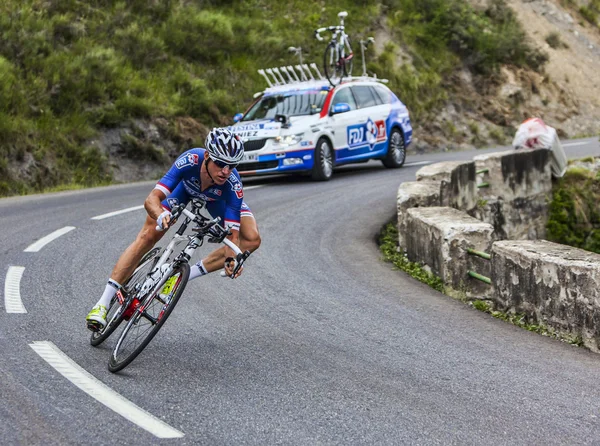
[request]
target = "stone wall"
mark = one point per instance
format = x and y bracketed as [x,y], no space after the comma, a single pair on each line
[446,213]
[553,284]
[439,237]
[519,188]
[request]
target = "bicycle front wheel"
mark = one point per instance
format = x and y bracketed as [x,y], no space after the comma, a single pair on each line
[331,64]
[121,301]
[149,318]
[349,59]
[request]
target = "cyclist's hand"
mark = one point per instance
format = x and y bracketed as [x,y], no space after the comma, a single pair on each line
[230,266]
[163,221]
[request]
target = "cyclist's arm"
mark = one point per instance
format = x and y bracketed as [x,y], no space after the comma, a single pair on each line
[153,205]
[215,260]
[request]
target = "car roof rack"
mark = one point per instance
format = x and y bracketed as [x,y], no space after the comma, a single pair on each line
[293,74]
[302,73]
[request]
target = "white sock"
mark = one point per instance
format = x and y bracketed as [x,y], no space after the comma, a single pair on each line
[197,270]
[111,289]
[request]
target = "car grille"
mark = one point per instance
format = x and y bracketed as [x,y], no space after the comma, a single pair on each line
[254,144]
[257,166]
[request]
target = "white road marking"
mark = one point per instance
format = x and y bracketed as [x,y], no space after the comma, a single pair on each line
[122,211]
[12,293]
[101,392]
[573,144]
[35,247]
[417,163]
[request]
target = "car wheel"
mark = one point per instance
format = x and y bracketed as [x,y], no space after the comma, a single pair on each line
[396,153]
[323,162]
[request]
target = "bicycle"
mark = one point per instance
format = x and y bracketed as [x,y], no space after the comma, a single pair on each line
[338,56]
[151,293]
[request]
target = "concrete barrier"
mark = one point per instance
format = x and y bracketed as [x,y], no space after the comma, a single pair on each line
[553,284]
[439,238]
[519,186]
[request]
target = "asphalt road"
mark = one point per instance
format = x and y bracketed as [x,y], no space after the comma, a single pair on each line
[319,342]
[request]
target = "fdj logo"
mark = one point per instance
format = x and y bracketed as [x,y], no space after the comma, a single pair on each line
[356,135]
[370,133]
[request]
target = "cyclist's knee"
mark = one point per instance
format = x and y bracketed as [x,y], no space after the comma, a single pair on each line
[251,242]
[148,236]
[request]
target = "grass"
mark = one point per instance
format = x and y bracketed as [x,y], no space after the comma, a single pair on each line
[522,321]
[71,69]
[388,244]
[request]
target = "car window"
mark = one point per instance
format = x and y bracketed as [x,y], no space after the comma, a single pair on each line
[344,96]
[383,93]
[364,96]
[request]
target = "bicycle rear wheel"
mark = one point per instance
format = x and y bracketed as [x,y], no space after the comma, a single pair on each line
[148,319]
[121,301]
[331,64]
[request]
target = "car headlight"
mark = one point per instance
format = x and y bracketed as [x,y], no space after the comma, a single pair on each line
[289,140]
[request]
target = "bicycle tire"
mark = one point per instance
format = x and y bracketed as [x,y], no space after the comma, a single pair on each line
[124,352]
[333,71]
[348,62]
[116,309]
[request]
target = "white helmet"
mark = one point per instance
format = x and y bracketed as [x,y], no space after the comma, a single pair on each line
[224,145]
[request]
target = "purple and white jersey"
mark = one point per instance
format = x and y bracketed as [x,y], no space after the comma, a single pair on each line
[182,182]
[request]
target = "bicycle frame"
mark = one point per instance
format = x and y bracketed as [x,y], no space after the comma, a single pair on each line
[157,277]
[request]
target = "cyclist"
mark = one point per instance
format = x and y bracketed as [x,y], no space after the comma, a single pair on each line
[208,174]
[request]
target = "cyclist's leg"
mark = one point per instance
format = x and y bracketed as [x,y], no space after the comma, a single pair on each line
[249,235]
[145,240]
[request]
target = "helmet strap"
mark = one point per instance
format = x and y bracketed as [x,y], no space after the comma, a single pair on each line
[208,171]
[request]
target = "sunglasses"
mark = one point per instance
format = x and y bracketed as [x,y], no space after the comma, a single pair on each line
[223,165]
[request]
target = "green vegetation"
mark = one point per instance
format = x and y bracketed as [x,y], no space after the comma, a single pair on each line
[553,39]
[70,69]
[574,217]
[388,243]
[521,320]
[591,12]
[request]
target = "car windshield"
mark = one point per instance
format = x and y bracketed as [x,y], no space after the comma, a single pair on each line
[290,103]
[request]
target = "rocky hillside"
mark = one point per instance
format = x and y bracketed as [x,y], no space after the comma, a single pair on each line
[565,92]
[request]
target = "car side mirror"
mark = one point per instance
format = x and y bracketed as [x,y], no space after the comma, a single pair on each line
[341,107]
[237,117]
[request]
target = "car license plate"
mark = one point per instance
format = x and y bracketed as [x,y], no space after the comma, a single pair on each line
[249,157]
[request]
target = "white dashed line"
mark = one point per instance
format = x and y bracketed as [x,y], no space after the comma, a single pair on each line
[417,163]
[122,211]
[35,247]
[12,293]
[101,392]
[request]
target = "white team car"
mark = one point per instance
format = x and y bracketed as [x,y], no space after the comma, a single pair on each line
[310,126]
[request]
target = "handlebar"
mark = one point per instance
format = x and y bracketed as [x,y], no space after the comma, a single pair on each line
[327,28]
[217,232]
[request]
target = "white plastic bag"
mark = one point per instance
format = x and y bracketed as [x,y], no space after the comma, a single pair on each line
[535,134]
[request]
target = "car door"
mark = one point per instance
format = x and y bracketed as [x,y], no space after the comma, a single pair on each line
[368,134]
[340,122]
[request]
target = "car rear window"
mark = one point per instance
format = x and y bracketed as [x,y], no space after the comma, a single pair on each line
[383,93]
[364,96]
